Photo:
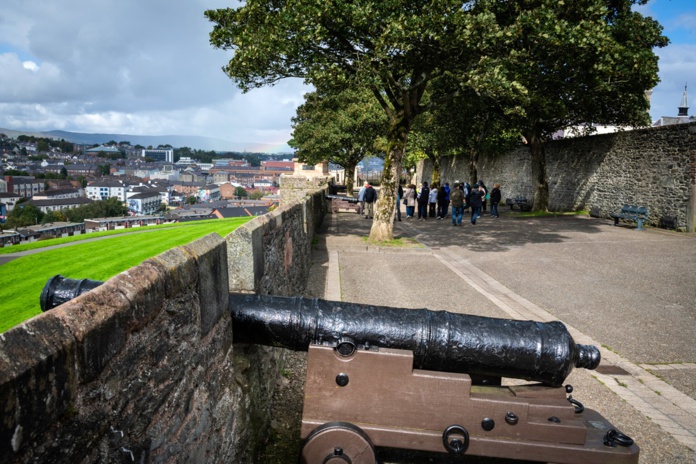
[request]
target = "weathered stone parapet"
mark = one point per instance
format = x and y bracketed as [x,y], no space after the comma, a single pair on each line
[294,189]
[139,368]
[269,253]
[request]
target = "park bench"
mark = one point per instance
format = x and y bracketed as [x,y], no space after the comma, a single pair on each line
[638,214]
[339,202]
[519,200]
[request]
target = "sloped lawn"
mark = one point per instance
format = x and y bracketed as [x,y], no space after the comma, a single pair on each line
[22,280]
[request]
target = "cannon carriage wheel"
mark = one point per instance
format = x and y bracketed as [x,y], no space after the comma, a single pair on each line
[338,443]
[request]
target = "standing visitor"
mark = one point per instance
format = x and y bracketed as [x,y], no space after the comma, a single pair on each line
[443,201]
[457,198]
[432,200]
[467,196]
[370,197]
[475,203]
[399,196]
[495,199]
[484,195]
[410,200]
[361,196]
[423,197]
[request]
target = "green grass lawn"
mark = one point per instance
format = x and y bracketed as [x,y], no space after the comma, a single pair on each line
[77,238]
[22,280]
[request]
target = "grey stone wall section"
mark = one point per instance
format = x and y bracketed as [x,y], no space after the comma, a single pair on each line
[136,369]
[650,167]
[271,253]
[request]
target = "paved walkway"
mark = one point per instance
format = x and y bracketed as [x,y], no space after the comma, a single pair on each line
[631,293]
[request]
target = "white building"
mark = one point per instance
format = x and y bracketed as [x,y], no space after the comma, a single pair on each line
[156,154]
[103,190]
[144,203]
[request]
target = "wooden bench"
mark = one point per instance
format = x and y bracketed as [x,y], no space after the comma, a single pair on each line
[339,202]
[635,213]
[520,201]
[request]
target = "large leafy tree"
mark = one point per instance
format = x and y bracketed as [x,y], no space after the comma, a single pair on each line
[572,64]
[24,214]
[338,127]
[392,48]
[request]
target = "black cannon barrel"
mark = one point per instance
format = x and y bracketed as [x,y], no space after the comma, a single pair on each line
[440,340]
[60,289]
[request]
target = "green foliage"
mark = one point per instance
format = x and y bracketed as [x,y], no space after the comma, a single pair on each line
[52,216]
[16,172]
[22,279]
[192,200]
[98,209]
[256,195]
[42,146]
[23,214]
[104,169]
[111,156]
[541,64]
[240,192]
[342,128]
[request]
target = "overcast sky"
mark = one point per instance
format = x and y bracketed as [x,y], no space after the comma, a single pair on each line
[145,67]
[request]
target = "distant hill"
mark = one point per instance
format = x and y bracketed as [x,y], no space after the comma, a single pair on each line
[177,141]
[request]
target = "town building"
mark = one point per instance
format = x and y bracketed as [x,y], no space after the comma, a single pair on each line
[10,200]
[105,189]
[58,204]
[127,222]
[144,203]
[51,230]
[24,186]
[59,194]
[159,154]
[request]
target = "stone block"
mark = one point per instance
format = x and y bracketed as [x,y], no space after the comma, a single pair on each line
[99,320]
[38,384]
[245,255]
[210,253]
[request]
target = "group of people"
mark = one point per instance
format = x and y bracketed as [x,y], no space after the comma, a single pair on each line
[367,196]
[434,202]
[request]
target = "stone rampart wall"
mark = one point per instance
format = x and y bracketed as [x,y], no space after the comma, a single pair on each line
[142,369]
[652,167]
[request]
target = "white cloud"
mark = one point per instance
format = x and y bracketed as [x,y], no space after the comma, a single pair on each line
[132,67]
[30,65]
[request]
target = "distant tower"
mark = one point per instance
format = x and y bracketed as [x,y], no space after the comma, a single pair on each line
[684,105]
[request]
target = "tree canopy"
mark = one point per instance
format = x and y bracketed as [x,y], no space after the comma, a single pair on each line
[338,127]
[543,64]
[393,49]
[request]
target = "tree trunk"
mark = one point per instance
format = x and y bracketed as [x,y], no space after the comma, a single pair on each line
[541,187]
[473,166]
[349,178]
[383,223]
